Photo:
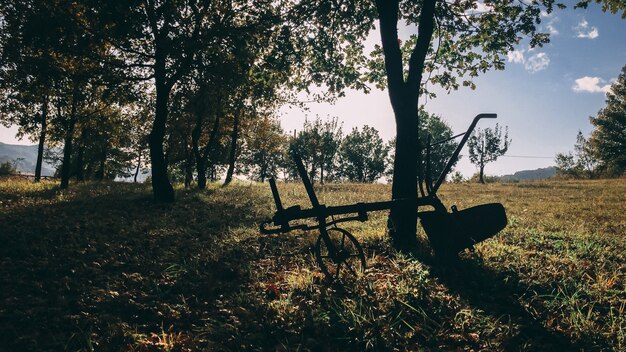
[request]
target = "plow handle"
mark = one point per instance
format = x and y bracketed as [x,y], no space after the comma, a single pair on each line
[279,204]
[455,155]
[305,179]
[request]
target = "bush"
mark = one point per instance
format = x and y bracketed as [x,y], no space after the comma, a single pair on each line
[7,168]
[488,179]
[457,177]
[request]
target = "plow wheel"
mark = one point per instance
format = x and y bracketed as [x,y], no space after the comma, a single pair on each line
[348,256]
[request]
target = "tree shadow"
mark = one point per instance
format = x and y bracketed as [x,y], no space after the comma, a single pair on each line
[114,271]
[497,295]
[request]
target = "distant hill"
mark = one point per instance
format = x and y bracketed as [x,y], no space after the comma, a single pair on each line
[26,156]
[538,174]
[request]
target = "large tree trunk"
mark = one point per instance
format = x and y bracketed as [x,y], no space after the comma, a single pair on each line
[404,96]
[42,138]
[161,186]
[234,137]
[69,136]
[403,218]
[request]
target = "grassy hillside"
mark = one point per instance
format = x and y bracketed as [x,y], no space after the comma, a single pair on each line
[101,267]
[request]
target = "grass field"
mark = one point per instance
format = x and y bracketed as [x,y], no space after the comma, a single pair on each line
[103,268]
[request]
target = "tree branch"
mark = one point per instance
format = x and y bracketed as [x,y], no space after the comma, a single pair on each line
[388,11]
[418,56]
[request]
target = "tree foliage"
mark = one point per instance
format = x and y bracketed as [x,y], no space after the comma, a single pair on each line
[264,149]
[608,139]
[362,155]
[317,144]
[487,145]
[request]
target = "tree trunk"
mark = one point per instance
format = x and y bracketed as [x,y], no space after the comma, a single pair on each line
[161,186]
[69,136]
[403,219]
[234,136]
[202,158]
[404,96]
[188,167]
[103,158]
[481,173]
[80,175]
[138,167]
[42,138]
[263,168]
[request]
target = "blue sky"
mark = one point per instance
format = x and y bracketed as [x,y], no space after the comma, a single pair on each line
[544,95]
[535,95]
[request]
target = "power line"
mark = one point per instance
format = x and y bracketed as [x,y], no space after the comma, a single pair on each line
[528,156]
[525,156]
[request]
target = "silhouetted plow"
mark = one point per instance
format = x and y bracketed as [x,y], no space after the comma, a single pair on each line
[337,251]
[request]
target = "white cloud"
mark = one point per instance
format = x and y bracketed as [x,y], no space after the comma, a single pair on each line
[593,34]
[552,30]
[537,62]
[585,31]
[551,21]
[591,85]
[516,56]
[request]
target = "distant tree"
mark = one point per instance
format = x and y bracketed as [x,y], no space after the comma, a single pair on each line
[435,129]
[317,145]
[486,146]
[580,164]
[263,149]
[608,140]
[362,155]
[565,165]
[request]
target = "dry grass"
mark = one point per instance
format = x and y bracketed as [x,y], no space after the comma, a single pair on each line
[101,267]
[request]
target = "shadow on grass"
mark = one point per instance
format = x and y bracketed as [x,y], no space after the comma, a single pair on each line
[116,271]
[498,296]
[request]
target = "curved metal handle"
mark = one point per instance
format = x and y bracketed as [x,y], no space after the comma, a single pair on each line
[455,155]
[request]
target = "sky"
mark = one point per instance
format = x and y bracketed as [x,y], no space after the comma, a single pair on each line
[544,95]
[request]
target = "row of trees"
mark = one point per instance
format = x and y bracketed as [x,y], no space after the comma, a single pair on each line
[328,155]
[264,150]
[603,154]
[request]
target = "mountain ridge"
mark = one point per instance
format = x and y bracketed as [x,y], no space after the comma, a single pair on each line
[24,157]
[536,174]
